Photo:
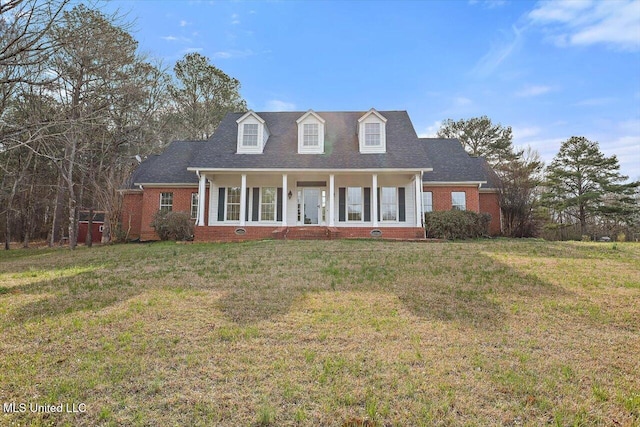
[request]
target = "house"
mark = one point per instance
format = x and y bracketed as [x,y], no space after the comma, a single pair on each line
[309,175]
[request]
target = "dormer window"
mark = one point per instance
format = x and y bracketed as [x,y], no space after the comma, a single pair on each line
[310,133]
[252,134]
[372,136]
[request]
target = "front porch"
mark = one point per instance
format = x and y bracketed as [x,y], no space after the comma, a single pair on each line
[295,200]
[241,234]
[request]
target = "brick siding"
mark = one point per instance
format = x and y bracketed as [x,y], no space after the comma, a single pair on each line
[490,203]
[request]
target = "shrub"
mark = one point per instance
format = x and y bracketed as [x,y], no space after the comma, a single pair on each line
[173,225]
[456,224]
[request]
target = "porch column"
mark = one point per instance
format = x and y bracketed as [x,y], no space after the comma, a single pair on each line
[418,180]
[201,192]
[285,199]
[332,189]
[243,200]
[374,199]
[211,213]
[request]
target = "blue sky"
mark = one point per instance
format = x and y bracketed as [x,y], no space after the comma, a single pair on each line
[551,70]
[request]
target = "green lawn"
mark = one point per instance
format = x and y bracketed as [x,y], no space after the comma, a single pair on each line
[323,333]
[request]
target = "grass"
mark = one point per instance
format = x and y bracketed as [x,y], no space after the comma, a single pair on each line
[324,333]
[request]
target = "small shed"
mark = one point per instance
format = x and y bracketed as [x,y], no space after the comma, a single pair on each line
[97,226]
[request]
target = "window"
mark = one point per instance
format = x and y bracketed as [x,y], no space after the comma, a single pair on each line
[166,202]
[372,134]
[458,200]
[310,135]
[250,135]
[427,201]
[194,205]
[268,204]
[233,204]
[389,203]
[354,204]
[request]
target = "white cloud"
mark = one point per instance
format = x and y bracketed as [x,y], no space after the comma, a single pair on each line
[431,131]
[184,23]
[534,90]
[584,23]
[498,53]
[525,132]
[227,54]
[278,105]
[176,39]
[235,19]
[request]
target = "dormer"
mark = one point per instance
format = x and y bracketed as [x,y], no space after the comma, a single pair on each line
[310,133]
[252,134]
[372,135]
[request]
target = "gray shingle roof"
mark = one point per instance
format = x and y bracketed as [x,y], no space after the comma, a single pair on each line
[341,151]
[453,164]
[170,166]
[447,157]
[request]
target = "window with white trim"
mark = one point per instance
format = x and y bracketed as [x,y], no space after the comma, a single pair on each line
[389,203]
[194,205]
[354,204]
[166,202]
[372,134]
[250,135]
[427,201]
[310,135]
[268,197]
[233,204]
[458,200]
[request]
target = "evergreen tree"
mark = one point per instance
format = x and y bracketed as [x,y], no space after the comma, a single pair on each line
[203,95]
[480,137]
[580,179]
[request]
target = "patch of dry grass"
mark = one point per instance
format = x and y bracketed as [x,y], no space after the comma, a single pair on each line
[324,333]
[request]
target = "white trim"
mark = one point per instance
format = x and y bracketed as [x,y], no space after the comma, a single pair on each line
[374,200]
[418,199]
[310,113]
[301,170]
[263,134]
[243,199]
[285,199]
[260,203]
[168,185]
[441,183]
[201,201]
[253,114]
[376,113]
[332,190]
[212,194]
[346,206]
[489,190]
[372,116]
[397,204]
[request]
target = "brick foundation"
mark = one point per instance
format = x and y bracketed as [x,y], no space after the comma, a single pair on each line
[228,233]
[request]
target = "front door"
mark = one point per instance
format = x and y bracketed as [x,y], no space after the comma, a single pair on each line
[311,205]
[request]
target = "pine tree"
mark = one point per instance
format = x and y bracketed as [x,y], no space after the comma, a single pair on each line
[579,178]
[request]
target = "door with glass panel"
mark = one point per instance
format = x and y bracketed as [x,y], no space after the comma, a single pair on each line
[313,206]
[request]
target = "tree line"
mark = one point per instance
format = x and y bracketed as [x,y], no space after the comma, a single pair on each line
[581,194]
[79,104]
